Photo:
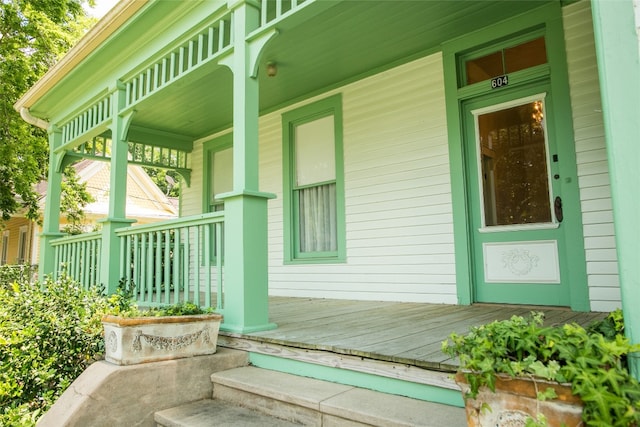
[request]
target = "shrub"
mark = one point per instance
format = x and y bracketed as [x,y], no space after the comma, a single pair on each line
[10,273]
[49,334]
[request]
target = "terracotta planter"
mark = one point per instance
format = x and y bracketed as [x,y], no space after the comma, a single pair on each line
[132,340]
[515,400]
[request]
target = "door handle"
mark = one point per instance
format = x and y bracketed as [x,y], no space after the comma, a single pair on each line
[557,208]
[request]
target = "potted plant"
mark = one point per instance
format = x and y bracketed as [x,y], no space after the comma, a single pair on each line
[556,368]
[138,336]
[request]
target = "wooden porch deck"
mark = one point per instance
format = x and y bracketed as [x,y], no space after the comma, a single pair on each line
[408,334]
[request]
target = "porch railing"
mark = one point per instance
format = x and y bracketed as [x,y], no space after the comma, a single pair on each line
[175,261]
[163,263]
[79,257]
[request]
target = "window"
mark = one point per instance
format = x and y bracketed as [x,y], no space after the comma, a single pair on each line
[5,247]
[218,155]
[218,179]
[22,245]
[313,183]
[504,61]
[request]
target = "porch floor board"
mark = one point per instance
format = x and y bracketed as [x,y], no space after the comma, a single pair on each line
[407,333]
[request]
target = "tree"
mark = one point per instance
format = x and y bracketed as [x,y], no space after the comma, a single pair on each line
[73,200]
[34,34]
[169,186]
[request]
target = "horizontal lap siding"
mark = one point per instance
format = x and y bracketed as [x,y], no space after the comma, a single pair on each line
[397,191]
[593,171]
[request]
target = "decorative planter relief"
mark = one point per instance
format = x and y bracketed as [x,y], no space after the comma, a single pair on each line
[515,401]
[132,340]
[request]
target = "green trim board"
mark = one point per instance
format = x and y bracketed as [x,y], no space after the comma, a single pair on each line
[328,107]
[545,20]
[359,379]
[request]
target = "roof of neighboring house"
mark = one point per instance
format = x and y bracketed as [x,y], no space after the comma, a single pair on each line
[145,201]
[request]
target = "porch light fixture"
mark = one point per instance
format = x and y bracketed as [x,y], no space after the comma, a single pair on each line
[272,69]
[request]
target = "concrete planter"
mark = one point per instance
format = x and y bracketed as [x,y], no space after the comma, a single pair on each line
[515,400]
[133,340]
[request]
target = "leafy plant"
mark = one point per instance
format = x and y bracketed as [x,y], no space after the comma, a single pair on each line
[593,360]
[49,334]
[10,274]
[123,303]
[73,200]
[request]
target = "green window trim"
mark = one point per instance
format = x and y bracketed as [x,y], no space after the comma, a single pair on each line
[327,107]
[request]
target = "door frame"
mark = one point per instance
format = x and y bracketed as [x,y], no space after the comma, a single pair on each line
[546,20]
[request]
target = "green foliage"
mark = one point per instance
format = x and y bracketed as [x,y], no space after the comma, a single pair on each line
[180,309]
[73,200]
[48,335]
[593,360]
[10,273]
[33,36]
[122,303]
[159,176]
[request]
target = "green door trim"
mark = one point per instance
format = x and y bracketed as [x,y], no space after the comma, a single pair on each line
[549,19]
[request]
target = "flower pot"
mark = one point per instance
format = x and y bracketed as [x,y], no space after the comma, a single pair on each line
[515,400]
[132,340]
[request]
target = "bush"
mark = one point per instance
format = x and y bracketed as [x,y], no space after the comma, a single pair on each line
[49,334]
[10,273]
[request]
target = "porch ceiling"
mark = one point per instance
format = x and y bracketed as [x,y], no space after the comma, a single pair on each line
[345,40]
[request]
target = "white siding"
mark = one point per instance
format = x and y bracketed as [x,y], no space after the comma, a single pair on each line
[397,192]
[593,171]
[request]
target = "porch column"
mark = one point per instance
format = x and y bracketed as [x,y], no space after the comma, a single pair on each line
[618,53]
[246,283]
[51,223]
[111,260]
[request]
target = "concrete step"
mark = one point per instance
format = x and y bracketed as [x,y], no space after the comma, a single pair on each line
[313,402]
[216,413]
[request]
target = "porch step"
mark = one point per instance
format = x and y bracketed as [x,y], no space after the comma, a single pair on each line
[216,413]
[313,402]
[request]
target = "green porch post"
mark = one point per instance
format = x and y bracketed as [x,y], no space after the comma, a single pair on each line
[51,224]
[619,68]
[246,283]
[111,259]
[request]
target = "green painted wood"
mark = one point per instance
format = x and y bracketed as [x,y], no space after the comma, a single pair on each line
[619,67]
[331,106]
[469,259]
[51,223]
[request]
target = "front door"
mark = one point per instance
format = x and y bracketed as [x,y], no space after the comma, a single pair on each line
[515,201]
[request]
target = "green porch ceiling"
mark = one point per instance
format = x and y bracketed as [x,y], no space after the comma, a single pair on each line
[316,48]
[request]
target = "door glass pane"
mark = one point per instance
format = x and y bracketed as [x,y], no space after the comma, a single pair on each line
[513,158]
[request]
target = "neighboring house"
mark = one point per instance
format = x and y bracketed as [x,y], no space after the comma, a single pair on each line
[452,152]
[145,203]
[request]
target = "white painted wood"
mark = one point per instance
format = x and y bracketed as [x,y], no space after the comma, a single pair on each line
[593,178]
[398,193]
[521,262]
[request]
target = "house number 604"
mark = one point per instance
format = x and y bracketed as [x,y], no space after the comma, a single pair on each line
[499,82]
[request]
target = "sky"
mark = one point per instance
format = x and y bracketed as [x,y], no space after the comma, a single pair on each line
[101,8]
